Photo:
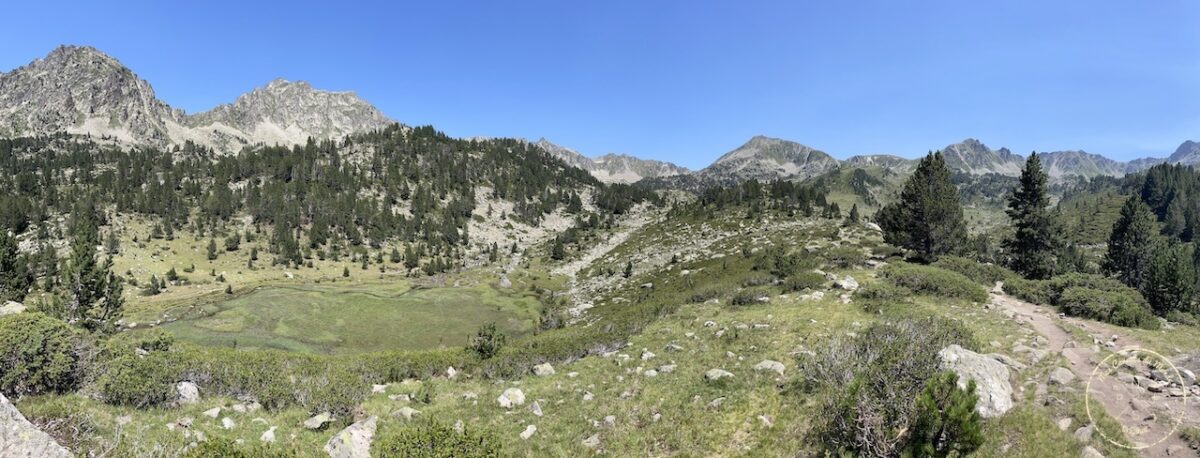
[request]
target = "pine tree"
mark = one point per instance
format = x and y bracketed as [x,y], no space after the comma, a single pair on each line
[1036,241]
[90,294]
[15,277]
[345,271]
[1170,282]
[1130,245]
[212,249]
[928,217]
[628,270]
[558,251]
[853,218]
[112,246]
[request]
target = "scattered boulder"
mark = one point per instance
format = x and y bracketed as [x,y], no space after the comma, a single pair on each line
[228,423]
[11,307]
[511,397]
[848,283]
[505,282]
[543,370]
[717,374]
[189,393]
[1064,423]
[378,389]
[268,436]
[1089,452]
[769,365]
[1084,433]
[990,376]
[592,441]
[406,413]
[1061,376]
[450,372]
[536,408]
[528,432]
[318,421]
[213,412]
[647,355]
[666,368]
[354,441]
[19,438]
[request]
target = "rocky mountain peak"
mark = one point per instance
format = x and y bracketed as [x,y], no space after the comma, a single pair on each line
[766,158]
[79,89]
[1188,153]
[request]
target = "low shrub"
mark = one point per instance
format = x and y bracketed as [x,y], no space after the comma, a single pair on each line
[753,280]
[877,296]
[704,295]
[1122,308]
[844,257]
[945,422]
[934,281]
[984,274]
[867,385]
[435,440]
[749,296]
[137,381]
[1035,291]
[217,447]
[38,354]
[803,281]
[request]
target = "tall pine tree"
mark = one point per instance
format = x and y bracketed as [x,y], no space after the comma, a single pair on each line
[1034,247]
[1170,281]
[89,293]
[928,217]
[15,276]
[1130,245]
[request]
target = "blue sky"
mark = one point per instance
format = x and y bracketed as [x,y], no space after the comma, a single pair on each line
[683,81]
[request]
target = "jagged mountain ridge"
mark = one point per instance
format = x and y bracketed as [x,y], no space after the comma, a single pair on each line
[766,158]
[80,90]
[614,168]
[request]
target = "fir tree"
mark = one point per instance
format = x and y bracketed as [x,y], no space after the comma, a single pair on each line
[928,217]
[1037,240]
[212,249]
[557,250]
[628,270]
[1130,245]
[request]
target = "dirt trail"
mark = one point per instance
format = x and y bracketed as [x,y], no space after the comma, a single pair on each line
[1147,418]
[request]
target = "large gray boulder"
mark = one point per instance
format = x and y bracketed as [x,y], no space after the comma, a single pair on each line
[990,376]
[189,393]
[19,438]
[354,441]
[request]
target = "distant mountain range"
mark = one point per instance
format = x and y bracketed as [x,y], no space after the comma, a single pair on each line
[77,89]
[80,90]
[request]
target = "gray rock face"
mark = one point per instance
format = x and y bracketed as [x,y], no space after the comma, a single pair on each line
[19,438]
[354,441]
[1188,153]
[990,376]
[78,89]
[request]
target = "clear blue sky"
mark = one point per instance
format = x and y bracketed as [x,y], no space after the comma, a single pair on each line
[682,80]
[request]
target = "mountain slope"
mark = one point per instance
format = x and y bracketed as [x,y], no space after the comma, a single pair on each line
[1061,164]
[1188,153]
[973,157]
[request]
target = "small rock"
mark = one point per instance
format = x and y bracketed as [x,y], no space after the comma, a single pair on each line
[1084,433]
[450,372]
[715,403]
[406,413]
[317,421]
[406,398]
[647,355]
[592,441]
[766,420]
[1061,376]
[543,370]
[354,441]
[188,393]
[666,368]
[528,432]
[536,408]
[268,436]
[228,423]
[848,283]
[1089,452]
[213,412]
[769,365]
[378,389]
[650,373]
[717,374]
[511,397]
[1064,423]
[610,420]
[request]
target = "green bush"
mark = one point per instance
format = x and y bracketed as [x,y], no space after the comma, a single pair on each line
[934,281]
[1122,308]
[866,386]
[803,281]
[137,381]
[1035,291]
[984,274]
[487,342]
[877,296]
[945,422]
[38,354]
[217,447]
[435,440]
[753,280]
